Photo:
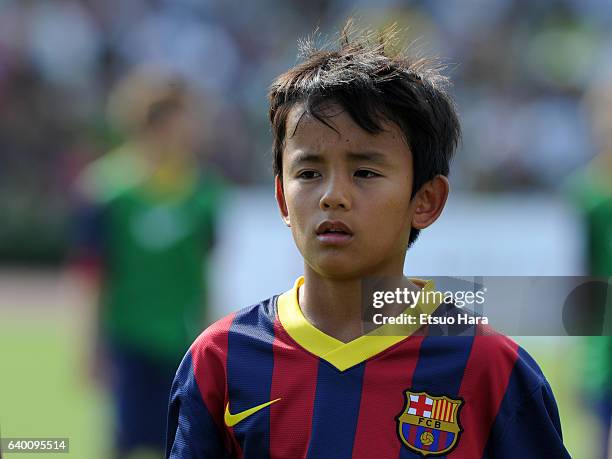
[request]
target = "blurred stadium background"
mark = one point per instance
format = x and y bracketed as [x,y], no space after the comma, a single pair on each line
[520,71]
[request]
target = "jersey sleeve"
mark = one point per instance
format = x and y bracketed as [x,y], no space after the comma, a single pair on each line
[195,426]
[534,431]
[528,424]
[192,432]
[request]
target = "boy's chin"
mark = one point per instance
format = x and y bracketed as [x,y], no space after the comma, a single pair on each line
[339,268]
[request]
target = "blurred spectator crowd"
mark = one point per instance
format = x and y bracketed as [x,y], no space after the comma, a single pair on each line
[520,71]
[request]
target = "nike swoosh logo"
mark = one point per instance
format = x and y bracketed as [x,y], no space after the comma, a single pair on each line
[233,419]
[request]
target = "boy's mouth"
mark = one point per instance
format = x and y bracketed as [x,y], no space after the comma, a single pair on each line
[334,232]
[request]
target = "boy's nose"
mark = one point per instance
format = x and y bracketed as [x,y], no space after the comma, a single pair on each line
[336,196]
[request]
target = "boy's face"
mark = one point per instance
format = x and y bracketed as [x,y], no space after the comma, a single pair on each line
[346,195]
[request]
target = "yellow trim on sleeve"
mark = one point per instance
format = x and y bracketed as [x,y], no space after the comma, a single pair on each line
[344,355]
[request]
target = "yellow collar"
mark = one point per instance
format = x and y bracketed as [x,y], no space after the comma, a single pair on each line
[339,354]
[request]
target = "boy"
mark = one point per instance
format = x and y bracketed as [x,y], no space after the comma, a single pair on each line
[362,143]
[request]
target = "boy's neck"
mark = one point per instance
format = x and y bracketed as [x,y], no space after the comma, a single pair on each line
[334,306]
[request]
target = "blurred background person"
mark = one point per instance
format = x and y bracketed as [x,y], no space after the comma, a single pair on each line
[591,190]
[144,229]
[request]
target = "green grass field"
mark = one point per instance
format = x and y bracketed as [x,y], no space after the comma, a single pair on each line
[44,390]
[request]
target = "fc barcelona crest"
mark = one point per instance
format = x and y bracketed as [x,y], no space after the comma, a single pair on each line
[428,424]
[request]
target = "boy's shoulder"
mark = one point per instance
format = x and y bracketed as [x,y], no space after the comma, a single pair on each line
[494,354]
[254,322]
[504,351]
[500,362]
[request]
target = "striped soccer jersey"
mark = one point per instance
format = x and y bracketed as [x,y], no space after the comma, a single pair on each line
[264,382]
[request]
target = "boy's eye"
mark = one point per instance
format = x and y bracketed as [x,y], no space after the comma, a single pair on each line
[364,173]
[308,175]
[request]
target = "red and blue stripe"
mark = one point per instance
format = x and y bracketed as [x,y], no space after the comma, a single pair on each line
[248,359]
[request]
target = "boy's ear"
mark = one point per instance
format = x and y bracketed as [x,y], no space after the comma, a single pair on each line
[429,202]
[280,200]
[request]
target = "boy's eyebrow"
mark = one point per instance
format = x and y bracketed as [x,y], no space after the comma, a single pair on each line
[307,157]
[368,156]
